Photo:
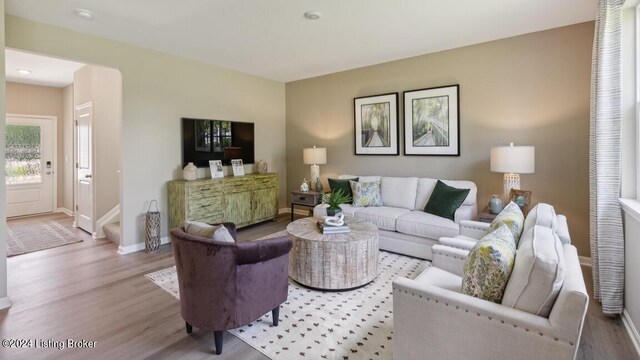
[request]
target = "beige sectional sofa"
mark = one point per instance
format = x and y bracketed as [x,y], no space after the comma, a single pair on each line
[404,227]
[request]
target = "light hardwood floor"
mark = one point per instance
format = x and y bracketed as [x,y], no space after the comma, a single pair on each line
[87,291]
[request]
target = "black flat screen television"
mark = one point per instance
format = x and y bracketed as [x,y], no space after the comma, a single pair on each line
[204,140]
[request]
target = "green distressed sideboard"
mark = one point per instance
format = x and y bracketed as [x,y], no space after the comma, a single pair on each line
[243,200]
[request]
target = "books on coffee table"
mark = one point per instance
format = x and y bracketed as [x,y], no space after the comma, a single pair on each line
[328,229]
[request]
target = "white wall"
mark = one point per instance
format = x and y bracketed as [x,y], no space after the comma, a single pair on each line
[66,167]
[158,90]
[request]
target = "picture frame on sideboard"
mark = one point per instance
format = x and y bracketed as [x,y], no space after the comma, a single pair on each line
[237,166]
[216,169]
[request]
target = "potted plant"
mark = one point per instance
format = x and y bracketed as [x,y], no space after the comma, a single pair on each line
[334,199]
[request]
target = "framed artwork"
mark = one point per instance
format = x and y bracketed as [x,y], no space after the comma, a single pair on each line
[522,198]
[376,125]
[432,121]
[238,168]
[216,169]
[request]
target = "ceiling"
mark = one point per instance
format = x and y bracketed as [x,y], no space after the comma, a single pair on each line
[272,38]
[45,71]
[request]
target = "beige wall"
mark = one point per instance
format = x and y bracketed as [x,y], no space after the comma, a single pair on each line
[531,90]
[103,87]
[158,90]
[67,133]
[26,99]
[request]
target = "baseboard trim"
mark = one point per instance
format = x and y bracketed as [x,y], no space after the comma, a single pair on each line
[124,250]
[585,261]
[109,217]
[5,303]
[64,210]
[631,329]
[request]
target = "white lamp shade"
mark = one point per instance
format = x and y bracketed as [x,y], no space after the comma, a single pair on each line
[314,156]
[513,159]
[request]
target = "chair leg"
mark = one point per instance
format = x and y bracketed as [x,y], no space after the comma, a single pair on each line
[217,336]
[189,327]
[275,314]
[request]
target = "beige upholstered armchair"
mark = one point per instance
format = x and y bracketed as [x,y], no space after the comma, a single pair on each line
[433,319]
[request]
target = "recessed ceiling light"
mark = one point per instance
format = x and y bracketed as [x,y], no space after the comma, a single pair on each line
[85,14]
[312,15]
[24,71]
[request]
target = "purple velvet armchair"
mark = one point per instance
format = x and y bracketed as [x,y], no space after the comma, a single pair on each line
[227,285]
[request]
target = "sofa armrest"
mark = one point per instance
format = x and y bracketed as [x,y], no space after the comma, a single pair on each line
[465,212]
[449,258]
[320,210]
[429,323]
[474,229]
[251,252]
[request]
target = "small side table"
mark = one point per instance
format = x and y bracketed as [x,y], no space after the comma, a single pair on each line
[305,198]
[486,216]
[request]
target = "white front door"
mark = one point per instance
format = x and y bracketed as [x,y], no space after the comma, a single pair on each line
[29,165]
[84,167]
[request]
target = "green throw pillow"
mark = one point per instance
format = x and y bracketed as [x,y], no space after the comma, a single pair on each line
[487,269]
[512,217]
[342,184]
[445,200]
[366,194]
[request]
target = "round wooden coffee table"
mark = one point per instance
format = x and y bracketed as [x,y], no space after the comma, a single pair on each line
[334,261]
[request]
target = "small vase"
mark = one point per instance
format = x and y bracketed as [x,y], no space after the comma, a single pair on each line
[304,187]
[261,166]
[190,172]
[495,204]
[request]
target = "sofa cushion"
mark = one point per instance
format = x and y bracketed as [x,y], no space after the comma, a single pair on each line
[445,200]
[487,269]
[342,184]
[512,217]
[440,278]
[538,272]
[426,186]
[399,191]
[384,217]
[420,223]
[366,194]
[542,215]
[214,232]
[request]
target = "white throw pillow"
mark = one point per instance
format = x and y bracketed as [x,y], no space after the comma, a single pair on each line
[217,232]
[538,272]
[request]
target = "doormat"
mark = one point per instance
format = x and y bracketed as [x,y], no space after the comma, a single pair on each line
[345,325]
[25,236]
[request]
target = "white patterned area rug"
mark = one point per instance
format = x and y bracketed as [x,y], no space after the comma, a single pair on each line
[344,325]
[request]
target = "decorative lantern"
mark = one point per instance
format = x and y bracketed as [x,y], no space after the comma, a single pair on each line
[152,241]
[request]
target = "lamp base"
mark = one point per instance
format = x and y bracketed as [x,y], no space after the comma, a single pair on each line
[511,181]
[315,176]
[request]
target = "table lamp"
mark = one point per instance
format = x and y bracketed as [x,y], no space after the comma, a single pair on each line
[513,161]
[315,156]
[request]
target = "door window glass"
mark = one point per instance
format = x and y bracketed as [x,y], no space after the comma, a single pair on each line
[23,159]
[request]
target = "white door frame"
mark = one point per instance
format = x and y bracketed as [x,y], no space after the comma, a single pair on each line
[75,168]
[54,168]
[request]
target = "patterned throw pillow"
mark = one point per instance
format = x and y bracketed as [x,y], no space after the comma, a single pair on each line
[512,217]
[366,193]
[488,267]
